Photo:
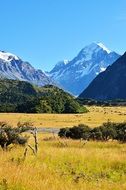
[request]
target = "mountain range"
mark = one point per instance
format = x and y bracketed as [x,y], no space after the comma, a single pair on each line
[74,76]
[12,67]
[109,84]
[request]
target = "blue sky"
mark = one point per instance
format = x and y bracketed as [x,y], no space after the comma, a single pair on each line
[44,32]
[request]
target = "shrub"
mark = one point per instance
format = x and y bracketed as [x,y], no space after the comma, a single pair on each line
[96,134]
[107,131]
[76,132]
[9,135]
[64,132]
[121,132]
[80,131]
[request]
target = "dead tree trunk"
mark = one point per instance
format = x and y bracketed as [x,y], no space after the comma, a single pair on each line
[35,149]
[36,140]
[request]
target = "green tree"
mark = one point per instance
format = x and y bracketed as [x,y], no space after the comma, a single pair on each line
[71,107]
[43,107]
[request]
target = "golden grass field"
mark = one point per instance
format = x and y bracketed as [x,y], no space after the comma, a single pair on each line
[65,164]
[93,166]
[94,118]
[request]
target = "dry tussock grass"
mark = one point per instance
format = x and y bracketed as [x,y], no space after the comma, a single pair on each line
[94,118]
[96,165]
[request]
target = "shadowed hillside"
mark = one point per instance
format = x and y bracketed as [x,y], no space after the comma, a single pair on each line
[19,96]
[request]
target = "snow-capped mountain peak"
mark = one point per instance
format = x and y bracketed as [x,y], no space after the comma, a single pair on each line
[92,49]
[77,74]
[95,47]
[5,56]
[104,47]
[12,67]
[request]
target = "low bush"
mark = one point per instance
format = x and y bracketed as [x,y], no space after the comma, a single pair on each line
[10,135]
[105,132]
[76,132]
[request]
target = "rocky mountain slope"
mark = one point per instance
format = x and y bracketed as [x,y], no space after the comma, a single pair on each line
[110,84]
[12,67]
[74,76]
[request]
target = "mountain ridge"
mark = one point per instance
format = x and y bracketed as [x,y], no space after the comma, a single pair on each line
[12,67]
[77,74]
[110,84]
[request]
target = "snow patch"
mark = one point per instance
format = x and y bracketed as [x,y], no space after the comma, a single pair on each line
[104,47]
[7,56]
[66,61]
[102,69]
[97,73]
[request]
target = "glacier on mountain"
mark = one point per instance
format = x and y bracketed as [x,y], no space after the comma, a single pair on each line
[78,73]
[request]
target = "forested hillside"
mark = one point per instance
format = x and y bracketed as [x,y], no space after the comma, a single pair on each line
[20,96]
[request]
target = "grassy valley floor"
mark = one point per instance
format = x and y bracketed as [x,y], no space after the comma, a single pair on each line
[94,118]
[65,165]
